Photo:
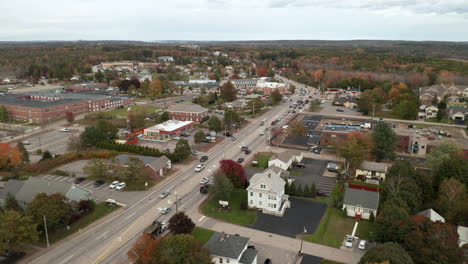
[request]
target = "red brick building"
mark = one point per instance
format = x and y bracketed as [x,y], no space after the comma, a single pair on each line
[187,112]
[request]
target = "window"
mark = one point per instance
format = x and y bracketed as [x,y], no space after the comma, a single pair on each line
[251,193]
[260,195]
[271,197]
[251,201]
[227,260]
[263,186]
[220,260]
[260,203]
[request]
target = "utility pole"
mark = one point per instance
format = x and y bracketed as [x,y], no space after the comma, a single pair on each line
[46,233]
[302,240]
[176,203]
[373,109]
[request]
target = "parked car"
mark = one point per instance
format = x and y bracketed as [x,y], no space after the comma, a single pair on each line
[166,150]
[204,180]
[244,148]
[240,160]
[349,241]
[121,186]
[227,134]
[185,135]
[362,244]
[199,167]
[114,184]
[339,110]
[233,138]
[64,130]
[79,180]
[164,194]
[165,210]
[204,188]
[299,165]
[203,158]
[248,151]
[268,261]
[332,167]
[98,183]
[176,138]
[26,142]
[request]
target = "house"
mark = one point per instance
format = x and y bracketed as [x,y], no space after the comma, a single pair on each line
[231,249]
[158,166]
[25,191]
[360,203]
[167,130]
[266,192]
[427,111]
[284,160]
[373,171]
[439,91]
[165,58]
[188,112]
[462,235]
[458,113]
[432,215]
[237,105]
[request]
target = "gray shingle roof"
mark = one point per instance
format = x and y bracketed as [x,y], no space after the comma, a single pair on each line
[224,245]
[248,256]
[374,166]
[22,100]
[159,163]
[285,156]
[363,198]
[12,187]
[187,108]
[269,178]
[124,158]
[457,109]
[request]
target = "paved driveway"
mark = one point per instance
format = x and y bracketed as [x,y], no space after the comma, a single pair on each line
[309,259]
[303,213]
[275,254]
[311,174]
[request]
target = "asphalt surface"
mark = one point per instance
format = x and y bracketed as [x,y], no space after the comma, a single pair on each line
[308,259]
[311,174]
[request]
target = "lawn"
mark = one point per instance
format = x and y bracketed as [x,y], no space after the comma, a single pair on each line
[234,215]
[326,261]
[100,211]
[296,173]
[332,229]
[365,230]
[202,234]
[263,159]
[122,112]
[444,120]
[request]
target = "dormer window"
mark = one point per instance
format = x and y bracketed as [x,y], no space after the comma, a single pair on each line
[262,186]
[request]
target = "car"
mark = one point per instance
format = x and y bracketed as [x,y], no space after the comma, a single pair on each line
[206,140]
[64,130]
[227,134]
[299,165]
[349,241]
[247,151]
[285,127]
[233,138]
[185,135]
[165,210]
[332,167]
[26,142]
[121,186]
[204,180]
[203,158]
[339,110]
[98,183]
[176,138]
[204,188]
[268,261]
[114,184]
[166,150]
[362,244]
[244,148]
[240,160]
[164,194]
[199,167]
[79,180]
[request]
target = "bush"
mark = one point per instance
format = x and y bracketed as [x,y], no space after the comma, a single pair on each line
[60,173]
[140,150]
[244,205]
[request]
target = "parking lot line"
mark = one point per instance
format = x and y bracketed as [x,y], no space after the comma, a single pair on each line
[87,184]
[45,176]
[65,178]
[71,179]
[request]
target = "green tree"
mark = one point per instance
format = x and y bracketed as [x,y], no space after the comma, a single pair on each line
[183,249]
[97,169]
[313,190]
[102,131]
[182,150]
[24,151]
[391,212]
[292,89]
[231,118]
[456,167]
[391,252]
[12,204]
[452,201]
[371,101]
[407,109]
[292,189]
[306,191]
[228,92]
[214,123]
[16,229]
[297,129]
[99,76]
[276,97]
[353,150]
[300,190]
[255,105]
[180,223]
[445,150]
[222,186]
[46,155]
[384,141]
[3,114]
[55,207]
[199,136]
[164,116]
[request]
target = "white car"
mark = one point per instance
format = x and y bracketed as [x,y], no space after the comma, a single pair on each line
[64,130]
[362,244]
[121,186]
[204,180]
[199,167]
[114,184]
[349,241]
[164,210]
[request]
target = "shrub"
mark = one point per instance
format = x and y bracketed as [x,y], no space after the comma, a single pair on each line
[244,205]
[60,173]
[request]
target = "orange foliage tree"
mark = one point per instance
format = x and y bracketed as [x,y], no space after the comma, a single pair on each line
[9,156]
[145,250]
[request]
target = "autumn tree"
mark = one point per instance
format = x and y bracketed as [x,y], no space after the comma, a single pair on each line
[97,169]
[234,172]
[222,186]
[16,229]
[297,129]
[183,249]
[354,149]
[445,150]
[69,116]
[384,141]
[231,118]
[3,114]
[182,150]
[255,105]
[180,223]
[134,170]
[145,250]
[102,131]
[199,136]
[292,89]
[452,201]
[228,92]
[391,252]
[9,156]
[55,207]
[371,101]
[276,97]
[155,89]
[24,152]
[214,123]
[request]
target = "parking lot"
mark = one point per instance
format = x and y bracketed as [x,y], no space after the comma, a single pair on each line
[315,172]
[329,109]
[302,214]
[309,259]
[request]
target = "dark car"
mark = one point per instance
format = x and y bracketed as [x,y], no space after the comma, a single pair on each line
[203,158]
[339,110]
[206,140]
[185,135]
[98,183]
[11,257]
[227,134]
[204,189]
[79,180]
[248,151]
[244,148]
[240,160]
[268,261]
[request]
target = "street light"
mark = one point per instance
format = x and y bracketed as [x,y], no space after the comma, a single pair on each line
[302,241]
[46,233]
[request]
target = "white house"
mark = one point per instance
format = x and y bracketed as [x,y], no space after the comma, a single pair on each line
[360,203]
[463,235]
[266,192]
[231,249]
[432,215]
[458,113]
[373,170]
[284,160]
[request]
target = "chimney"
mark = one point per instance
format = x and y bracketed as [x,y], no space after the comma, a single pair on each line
[223,236]
[269,175]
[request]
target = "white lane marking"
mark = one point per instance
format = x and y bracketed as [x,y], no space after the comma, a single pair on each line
[89,183]
[129,216]
[101,236]
[214,166]
[65,260]
[65,178]
[203,217]
[71,179]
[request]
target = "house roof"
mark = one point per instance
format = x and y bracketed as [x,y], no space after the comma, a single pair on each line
[463,233]
[224,245]
[276,169]
[285,156]
[432,215]
[363,198]
[457,109]
[159,163]
[374,166]
[187,108]
[269,178]
[248,256]
[12,187]
[124,158]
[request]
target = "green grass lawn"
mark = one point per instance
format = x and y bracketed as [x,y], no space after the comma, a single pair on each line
[202,234]
[365,230]
[444,120]
[122,113]
[332,229]
[100,211]
[263,160]
[296,173]
[326,261]
[234,215]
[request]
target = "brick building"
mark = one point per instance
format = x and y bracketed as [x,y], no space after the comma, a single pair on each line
[187,112]
[268,87]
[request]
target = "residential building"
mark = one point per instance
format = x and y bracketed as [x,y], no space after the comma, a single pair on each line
[231,249]
[284,160]
[462,235]
[25,191]
[157,166]
[372,172]
[360,203]
[187,112]
[458,113]
[439,91]
[165,58]
[268,87]
[167,130]
[427,111]
[266,192]
[432,215]
[237,105]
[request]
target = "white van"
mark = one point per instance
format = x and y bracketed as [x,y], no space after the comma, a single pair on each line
[366,126]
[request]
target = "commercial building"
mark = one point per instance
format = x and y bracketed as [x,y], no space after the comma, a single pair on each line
[187,112]
[167,130]
[84,87]
[268,87]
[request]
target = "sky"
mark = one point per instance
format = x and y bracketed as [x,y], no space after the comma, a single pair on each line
[154,20]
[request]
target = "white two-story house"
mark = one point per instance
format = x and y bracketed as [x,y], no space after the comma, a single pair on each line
[373,171]
[231,249]
[266,192]
[284,160]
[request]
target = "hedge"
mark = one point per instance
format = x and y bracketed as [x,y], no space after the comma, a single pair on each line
[135,149]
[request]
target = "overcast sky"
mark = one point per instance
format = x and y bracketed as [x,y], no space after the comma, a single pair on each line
[443,20]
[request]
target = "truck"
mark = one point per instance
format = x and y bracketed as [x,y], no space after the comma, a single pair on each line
[366,125]
[156,228]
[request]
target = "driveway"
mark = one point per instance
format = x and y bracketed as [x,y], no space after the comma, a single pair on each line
[311,174]
[309,259]
[303,213]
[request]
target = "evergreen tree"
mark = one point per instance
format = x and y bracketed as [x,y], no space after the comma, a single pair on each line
[292,189]
[24,152]
[300,190]
[313,190]
[307,190]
